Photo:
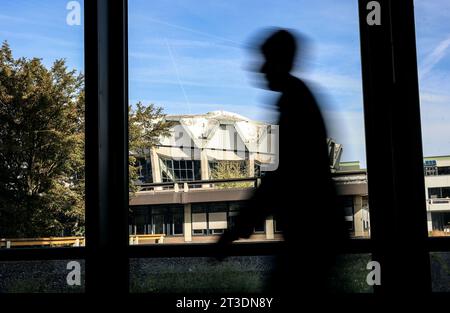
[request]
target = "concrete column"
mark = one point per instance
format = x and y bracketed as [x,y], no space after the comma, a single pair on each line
[429,221]
[204,165]
[358,216]
[187,222]
[156,169]
[251,165]
[204,168]
[270,230]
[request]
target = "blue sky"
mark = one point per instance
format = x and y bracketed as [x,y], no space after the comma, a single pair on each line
[190,56]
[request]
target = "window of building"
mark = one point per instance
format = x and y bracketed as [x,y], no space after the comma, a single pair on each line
[144,170]
[217,220]
[443,170]
[180,170]
[213,219]
[260,228]
[277,225]
[430,170]
[233,212]
[439,192]
[167,220]
[177,223]
[199,221]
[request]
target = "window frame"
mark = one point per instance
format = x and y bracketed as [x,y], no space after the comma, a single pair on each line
[389,74]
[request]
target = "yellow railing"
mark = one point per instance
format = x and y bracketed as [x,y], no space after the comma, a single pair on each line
[143,239]
[71,241]
[48,241]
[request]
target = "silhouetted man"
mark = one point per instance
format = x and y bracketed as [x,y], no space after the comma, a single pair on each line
[300,193]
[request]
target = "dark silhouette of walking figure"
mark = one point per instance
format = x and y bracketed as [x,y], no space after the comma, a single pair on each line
[300,194]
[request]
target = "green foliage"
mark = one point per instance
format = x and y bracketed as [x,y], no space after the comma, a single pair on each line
[231,169]
[41,147]
[146,125]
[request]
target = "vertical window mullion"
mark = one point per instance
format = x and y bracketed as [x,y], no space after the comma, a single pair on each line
[393,145]
[106,146]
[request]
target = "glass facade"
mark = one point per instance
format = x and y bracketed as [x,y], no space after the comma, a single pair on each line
[166,220]
[180,170]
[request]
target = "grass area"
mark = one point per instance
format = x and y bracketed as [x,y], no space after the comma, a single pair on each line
[440,271]
[236,274]
[47,276]
[349,275]
[200,275]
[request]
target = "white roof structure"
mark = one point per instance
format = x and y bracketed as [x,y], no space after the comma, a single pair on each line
[222,135]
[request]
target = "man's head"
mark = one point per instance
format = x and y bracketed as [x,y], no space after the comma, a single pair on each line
[279,51]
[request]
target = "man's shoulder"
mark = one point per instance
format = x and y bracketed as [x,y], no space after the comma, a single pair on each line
[299,89]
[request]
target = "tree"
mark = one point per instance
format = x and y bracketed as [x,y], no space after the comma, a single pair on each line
[231,169]
[41,148]
[146,126]
[42,189]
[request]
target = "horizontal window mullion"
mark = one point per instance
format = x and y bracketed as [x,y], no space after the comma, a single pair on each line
[42,254]
[236,249]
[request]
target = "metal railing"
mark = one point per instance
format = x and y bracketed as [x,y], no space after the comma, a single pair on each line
[70,241]
[199,184]
[42,242]
[439,201]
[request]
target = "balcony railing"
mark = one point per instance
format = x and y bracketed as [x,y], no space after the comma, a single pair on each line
[438,204]
[185,186]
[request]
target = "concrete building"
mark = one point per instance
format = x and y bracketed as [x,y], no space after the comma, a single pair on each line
[180,200]
[351,187]
[437,191]
[198,142]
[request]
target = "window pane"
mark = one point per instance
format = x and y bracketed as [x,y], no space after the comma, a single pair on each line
[178,224]
[193,77]
[158,224]
[41,123]
[432,37]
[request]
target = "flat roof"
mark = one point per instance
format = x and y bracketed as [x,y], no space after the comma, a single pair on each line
[437,157]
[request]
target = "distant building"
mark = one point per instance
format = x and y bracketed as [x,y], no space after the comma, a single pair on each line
[199,141]
[437,191]
[179,199]
[351,187]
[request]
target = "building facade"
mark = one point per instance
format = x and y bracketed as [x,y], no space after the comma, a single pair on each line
[198,142]
[437,191]
[181,197]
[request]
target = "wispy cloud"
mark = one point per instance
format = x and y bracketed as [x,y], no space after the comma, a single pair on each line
[433,58]
[193,31]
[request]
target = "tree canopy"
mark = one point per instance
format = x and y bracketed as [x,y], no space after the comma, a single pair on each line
[227,169]
[42,146]
[146,125]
